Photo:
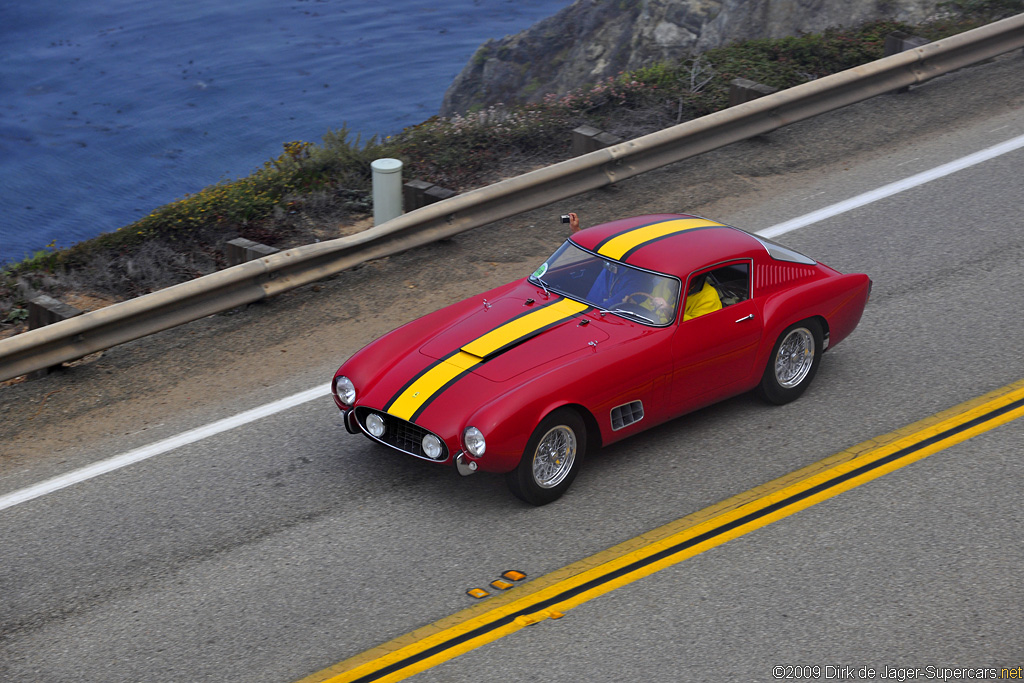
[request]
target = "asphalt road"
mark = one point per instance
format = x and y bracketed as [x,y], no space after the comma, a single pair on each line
[273,550]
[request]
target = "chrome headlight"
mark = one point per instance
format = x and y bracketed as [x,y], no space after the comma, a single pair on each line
[345,390]
[431,446]
[375,425]
[473,438]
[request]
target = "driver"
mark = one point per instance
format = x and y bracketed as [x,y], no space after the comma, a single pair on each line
[617,285]
[701,298]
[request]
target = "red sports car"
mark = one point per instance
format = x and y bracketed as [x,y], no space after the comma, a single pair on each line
[628,324]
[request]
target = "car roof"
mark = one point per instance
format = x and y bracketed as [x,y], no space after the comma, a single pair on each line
[676,244]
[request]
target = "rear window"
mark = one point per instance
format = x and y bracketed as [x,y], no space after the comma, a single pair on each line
[781,253]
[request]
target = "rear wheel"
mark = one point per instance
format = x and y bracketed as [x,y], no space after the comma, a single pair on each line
[793,363]
[551,460]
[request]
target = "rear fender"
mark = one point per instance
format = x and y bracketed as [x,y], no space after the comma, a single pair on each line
[837,301]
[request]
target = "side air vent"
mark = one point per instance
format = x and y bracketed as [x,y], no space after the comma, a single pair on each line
[625,415]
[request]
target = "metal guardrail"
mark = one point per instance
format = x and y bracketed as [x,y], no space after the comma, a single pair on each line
[101,329]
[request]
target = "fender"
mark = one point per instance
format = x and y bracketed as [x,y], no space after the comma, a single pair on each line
[838,301]
[509,418]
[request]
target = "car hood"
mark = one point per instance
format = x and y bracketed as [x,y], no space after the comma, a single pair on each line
[514,333]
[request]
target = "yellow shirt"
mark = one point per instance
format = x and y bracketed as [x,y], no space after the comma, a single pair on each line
[704,301]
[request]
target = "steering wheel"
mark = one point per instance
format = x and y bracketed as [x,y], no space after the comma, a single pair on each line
[634,303]
[643,298]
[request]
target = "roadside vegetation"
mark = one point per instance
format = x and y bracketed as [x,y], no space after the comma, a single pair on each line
[318,191]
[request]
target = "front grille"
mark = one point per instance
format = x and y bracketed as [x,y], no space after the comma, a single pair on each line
[401,434]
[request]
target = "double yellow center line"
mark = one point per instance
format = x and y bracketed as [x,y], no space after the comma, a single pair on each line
[551,595]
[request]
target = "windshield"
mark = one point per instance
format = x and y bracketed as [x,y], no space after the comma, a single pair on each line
[610,285]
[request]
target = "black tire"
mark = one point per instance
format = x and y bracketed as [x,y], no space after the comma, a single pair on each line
[551,460]
[793,363]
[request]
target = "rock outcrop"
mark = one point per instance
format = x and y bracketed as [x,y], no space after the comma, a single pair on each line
[592,40]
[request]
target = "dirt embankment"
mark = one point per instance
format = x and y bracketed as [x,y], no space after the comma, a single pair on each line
[229,357]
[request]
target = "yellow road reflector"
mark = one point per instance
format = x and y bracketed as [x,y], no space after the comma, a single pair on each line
[501,585]
[513,575]
[477,593]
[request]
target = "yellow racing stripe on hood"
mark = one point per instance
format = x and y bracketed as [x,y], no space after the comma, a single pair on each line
[617,247]
[436,378]
[430,383]
[522,326]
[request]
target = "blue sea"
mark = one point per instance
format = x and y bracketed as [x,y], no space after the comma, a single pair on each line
[111,108]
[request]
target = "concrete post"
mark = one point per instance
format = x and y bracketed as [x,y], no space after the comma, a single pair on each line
[387,190]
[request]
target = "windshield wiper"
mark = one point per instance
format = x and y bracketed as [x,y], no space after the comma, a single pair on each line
[543,285]
[621,311]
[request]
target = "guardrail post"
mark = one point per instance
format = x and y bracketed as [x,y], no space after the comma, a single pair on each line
[412,194]
[44,310]
[742,90]
[437,193]
[420,193]
[586,139]
[899,41]
[387,190]
[241,250]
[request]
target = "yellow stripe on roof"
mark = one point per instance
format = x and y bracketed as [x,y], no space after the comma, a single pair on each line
[620,245]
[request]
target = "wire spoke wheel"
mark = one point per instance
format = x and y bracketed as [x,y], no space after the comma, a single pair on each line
[795,358]
[793,363]
[551,459]
[554,457]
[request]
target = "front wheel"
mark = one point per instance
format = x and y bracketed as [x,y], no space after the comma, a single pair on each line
[551,460]
[793,363]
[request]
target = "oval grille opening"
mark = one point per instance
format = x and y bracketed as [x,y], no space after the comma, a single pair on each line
[401,434]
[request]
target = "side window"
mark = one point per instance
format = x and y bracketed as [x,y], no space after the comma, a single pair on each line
[711,290]
[732,282]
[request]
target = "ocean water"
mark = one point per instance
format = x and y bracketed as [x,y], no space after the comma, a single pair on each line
[111,108]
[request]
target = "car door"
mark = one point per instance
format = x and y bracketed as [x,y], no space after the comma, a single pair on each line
[714,353]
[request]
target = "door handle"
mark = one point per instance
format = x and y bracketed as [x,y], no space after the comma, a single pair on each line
[747,317]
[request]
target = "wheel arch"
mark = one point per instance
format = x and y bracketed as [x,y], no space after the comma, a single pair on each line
[823,322]
[594,441]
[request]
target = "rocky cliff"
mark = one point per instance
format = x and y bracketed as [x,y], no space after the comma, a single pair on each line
[592,40]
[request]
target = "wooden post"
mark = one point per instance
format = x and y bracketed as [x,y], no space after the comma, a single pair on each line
[742,90]
[586,139]
[241,250]
[412,194]
[45,310]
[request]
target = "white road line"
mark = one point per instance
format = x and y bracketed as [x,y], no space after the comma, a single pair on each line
[200,433]
[139,454]
[893,188]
